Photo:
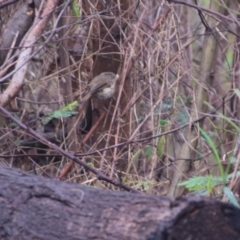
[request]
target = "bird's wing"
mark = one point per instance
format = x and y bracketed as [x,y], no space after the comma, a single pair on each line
[91,90]
[97,87]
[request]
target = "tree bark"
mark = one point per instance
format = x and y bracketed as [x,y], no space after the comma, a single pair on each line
[33,207]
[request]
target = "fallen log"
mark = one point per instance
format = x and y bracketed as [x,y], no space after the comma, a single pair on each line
[33,207]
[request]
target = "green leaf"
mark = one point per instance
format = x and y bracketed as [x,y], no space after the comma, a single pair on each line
[237,91]
[229,121]
[75,8]
[231,175]
[161,140]
[167,104]
[160,146]
[215,151]
[201,183]
[182,116]
[163,122]
[229,194]
[65,112]
[148,151]
[135,155]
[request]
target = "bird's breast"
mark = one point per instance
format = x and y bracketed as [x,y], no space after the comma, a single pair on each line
[106,92]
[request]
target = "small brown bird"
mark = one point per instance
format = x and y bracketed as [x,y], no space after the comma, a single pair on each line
[101,87]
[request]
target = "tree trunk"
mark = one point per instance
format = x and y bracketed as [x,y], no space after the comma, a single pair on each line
[34,207]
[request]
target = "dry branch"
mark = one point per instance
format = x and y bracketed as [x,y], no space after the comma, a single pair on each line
[33,207]
[21,66]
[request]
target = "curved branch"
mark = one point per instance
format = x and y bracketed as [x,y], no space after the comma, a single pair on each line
[18,78]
